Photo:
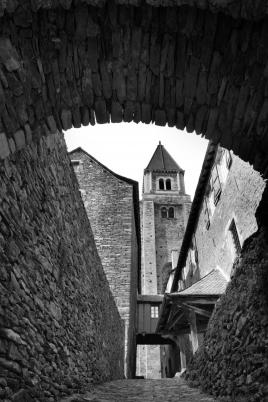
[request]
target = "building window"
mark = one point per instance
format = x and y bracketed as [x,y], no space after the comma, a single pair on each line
[195,250]
[168,212]
[154,311]
[168,184]
[164,212]
[228,158]
[171,213]
[235,238]
[215,185]
[164,184]
[207,217]
[76,164]
[161,184]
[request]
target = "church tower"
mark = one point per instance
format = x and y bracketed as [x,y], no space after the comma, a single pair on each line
[164,212]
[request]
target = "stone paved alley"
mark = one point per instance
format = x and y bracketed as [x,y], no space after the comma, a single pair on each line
[164,390]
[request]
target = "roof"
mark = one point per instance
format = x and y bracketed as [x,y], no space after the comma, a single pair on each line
[136,204]
[199,297]
[197,203]
[213,283]
[162,161]
[125,179]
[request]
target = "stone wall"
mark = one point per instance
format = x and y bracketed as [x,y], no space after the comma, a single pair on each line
[67,63]
[148,361]
[241,8]
[168,234]
[112,208]
[240,197]
[160,236]
[59,325]
[232,362]
[148,266]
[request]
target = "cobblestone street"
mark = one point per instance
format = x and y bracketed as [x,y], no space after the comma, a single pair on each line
[165,390]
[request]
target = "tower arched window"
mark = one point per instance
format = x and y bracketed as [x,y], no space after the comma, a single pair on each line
[168,184]
[171,213]
[164,212]
[161,184]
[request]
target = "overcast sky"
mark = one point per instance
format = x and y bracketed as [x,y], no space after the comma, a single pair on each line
[127,148]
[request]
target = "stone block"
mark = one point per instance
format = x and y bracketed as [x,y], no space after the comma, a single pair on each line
[66,119]
[52,124]
[12,336]
[146,113]
[160,118]
[116,113]
[19,138]
[8,55]
[22,396]
[10,365]
[4,148]
[101,112]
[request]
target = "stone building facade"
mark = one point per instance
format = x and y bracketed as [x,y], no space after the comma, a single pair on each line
[202,66]
[164,211]
[225,220]
[112,205]
[221,220]
[227,217]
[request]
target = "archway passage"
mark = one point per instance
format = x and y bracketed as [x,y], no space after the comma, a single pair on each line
[203,67]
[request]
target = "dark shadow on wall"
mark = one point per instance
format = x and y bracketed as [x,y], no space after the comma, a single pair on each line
[232,361]
[59,327]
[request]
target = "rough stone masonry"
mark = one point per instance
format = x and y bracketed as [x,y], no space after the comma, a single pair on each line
[199,64]
[112,205]
[202,66]
[59,326]
[232,362]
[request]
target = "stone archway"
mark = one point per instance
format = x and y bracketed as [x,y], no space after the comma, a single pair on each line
[203,67]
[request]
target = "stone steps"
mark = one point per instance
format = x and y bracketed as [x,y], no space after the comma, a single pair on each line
[168,390]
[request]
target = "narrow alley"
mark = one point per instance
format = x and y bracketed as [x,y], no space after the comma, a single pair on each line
[168,390]
[131,255]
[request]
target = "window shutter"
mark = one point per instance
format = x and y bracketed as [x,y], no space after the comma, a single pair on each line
[215,185]
[207,218]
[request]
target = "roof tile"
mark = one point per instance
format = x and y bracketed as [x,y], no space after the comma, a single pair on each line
[213,283]
[162,161]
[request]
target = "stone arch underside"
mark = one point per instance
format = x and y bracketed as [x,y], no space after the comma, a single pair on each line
[202,66]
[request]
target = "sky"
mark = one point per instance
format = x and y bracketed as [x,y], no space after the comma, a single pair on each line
[127,148]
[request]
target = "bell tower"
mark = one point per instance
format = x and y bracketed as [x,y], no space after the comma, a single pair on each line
[164,212]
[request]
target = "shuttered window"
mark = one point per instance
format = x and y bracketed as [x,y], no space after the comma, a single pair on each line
[215,185]
[207,215]
[235,237]
[228,158]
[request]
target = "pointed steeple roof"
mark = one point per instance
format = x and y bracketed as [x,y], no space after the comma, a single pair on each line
[162,161]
